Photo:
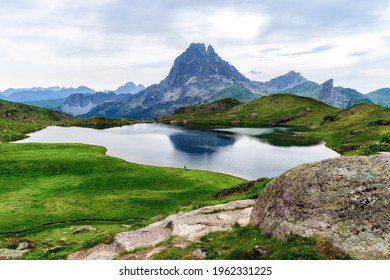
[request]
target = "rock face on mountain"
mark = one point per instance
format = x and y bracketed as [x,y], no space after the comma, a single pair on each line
[329,95]
[78,104]
[344,199]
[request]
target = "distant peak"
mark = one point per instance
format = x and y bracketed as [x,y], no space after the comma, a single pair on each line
[197,46]
[329,82]
[292,72]
[210,50]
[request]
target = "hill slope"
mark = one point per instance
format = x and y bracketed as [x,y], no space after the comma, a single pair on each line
[274,109]
[17,119]
[351,129]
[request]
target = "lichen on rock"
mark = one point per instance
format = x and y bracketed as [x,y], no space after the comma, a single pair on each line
[346,200]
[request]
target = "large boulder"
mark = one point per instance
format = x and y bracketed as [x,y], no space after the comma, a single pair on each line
[346,200]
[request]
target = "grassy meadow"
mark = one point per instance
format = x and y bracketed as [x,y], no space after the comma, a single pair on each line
[42,184]
[47,190]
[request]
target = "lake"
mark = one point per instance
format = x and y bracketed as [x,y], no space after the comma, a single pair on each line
[248,153]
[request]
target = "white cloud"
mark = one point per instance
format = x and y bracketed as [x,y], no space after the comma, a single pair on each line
[104,43]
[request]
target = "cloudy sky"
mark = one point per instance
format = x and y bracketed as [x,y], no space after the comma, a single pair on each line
[106,43]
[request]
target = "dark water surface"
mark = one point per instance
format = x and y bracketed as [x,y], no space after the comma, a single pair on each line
[249,153]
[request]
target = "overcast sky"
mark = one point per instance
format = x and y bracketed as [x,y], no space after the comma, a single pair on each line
[106,43]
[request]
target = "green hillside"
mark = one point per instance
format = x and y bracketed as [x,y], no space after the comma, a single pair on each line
[274,109]
[356,128]
[347,131]
[16,120]
[47,188]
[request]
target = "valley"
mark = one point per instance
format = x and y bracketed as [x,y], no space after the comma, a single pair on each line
[49,190]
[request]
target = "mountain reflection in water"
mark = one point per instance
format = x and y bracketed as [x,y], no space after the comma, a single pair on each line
[249,153]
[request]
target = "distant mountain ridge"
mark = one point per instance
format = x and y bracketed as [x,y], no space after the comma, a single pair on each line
[34,94]
[129,88]
[74,101]
[198,76]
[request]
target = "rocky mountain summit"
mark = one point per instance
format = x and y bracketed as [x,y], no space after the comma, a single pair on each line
[129,88]
[343,199]
[198,76]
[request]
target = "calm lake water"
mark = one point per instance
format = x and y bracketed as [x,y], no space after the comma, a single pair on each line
[248,153]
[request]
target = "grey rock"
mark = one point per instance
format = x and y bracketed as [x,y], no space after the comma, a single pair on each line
[346,200]
[12,254]
[84,229]
[186,227]
[199,254]
[22,246]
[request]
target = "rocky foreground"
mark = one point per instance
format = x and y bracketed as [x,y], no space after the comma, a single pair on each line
[346,200]
[187,226]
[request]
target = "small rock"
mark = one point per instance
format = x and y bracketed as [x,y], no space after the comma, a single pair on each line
[126,226]
[12,254]
[22,246]
[243,222]
[259,251]
[64,239]
[84,229]
[199,254]
[224,217]
[49,240]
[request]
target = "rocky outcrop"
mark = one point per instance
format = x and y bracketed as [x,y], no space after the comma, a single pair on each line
[346,200]
[186,225]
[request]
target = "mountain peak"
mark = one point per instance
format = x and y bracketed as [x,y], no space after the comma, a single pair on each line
[200,64]
[286,81]
[129,88]
[197,47]
[210,50]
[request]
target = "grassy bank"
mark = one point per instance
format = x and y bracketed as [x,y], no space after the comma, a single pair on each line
[17,120]
[239,244]
[354,130]
[48,183]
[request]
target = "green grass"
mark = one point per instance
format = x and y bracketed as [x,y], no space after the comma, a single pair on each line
[239,244]
[350,130]
[48,183]
[265,110]
[16,120]
[42,183]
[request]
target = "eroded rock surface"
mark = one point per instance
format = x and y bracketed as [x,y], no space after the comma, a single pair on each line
[345,199]
[186,225]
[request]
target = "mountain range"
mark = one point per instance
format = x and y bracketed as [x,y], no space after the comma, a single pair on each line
[199,75]
[74,101]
